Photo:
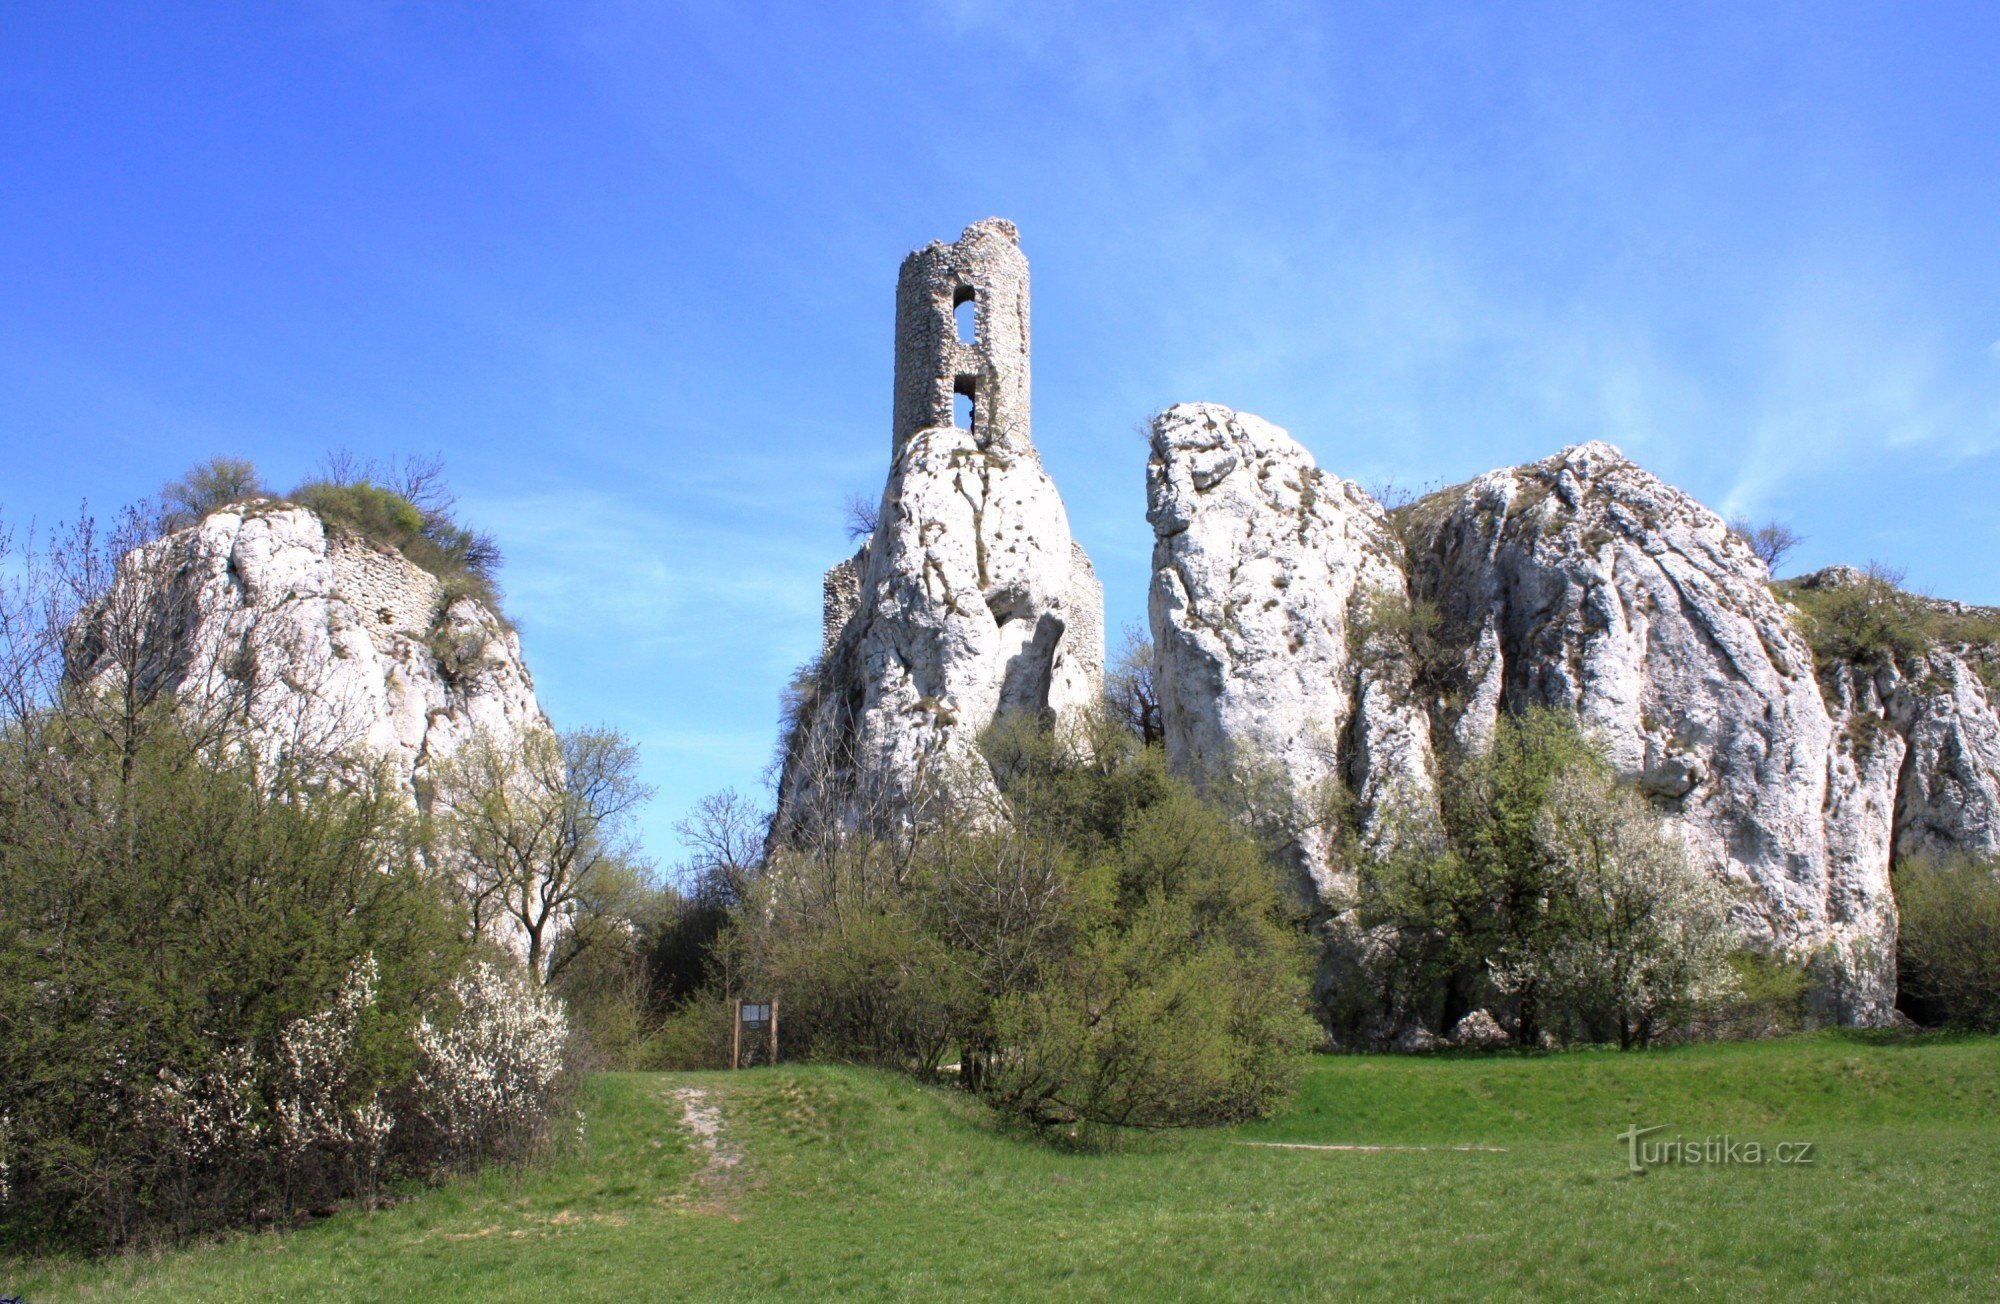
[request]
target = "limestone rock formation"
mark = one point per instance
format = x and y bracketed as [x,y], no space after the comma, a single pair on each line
[1267,574]
[327,645]
[1949,800]
[1580,582]
[1584,582]
[1918,726]
[970,599]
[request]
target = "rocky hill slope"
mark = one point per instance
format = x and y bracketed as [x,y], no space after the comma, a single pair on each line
[325,645]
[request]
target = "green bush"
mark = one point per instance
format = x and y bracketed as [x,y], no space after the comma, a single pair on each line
[1868,621]
[1181,999]
[416,520]
[169,911]
[695,1034]
[1550,895]
[1948,953]
[1770,998]
[1101,947]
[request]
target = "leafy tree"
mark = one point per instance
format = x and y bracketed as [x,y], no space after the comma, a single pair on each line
[164,916]
[1180,999]
[1506,905]
[215,944]
[1645,937]
[538,830]
[1949,945]
[1097,944]
[208,487]
[1551,893]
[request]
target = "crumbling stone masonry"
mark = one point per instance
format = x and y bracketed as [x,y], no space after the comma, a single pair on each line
[986,271]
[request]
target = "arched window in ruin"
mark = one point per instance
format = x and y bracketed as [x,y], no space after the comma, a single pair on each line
[965,402]
[964,314]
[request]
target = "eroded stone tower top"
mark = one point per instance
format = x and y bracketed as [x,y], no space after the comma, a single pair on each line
[962,334]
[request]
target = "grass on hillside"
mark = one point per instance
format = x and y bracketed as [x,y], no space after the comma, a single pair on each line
[856,1184]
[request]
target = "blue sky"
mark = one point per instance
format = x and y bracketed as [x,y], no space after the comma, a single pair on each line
[630,268]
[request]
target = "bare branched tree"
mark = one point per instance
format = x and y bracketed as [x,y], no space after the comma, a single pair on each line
[724,836]
[1128,688]
[419,477]
[1772,541]
[862,517]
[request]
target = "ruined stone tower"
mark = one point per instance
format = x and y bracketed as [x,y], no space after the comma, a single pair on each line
[970,599]
[940,356]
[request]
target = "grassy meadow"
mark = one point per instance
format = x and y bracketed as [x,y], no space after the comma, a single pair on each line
[843,1183]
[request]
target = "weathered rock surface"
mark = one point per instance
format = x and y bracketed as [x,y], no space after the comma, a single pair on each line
[1949,799]
[1579,582]
[1921,727]
[1266,571]
[1584,582]
[970,599]
[1418,1040]
[330,647]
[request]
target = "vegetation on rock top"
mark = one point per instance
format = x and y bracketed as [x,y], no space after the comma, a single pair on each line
[405,508]
[1866,619]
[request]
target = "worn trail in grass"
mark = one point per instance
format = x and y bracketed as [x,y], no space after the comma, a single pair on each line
[844,1183]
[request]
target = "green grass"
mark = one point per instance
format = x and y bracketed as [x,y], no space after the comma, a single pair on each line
[855,1184]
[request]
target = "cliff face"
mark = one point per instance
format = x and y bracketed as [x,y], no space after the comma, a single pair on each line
[1579,582]
[1585,583]
[1914,719]
[1265,574]
[970,599]
[324,644]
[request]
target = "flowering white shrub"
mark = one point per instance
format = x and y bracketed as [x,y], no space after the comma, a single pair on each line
[488,1077]
[1648,934]
[315,1072]
[207,1114]
[6,1148]
[315,1065]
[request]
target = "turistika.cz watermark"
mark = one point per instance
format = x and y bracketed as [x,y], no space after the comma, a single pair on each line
[1709,1151]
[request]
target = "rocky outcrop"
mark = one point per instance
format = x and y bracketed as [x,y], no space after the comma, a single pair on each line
[1268,576]
[969,602]
[1915,714]
[324,645]
[970,599]
[1583,582]
[1298,625]
[1949,797]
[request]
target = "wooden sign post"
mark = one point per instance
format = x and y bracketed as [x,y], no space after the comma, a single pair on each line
[755,1018]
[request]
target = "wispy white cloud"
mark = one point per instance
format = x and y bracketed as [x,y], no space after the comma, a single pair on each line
[650,581]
